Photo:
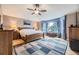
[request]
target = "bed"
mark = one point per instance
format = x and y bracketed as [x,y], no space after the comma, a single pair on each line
[29,34]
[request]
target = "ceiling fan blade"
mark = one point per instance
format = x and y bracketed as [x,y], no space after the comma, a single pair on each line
[39,13]
[43,10]
[29,9]
[33,13]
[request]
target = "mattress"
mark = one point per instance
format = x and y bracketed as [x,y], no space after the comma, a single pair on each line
[25,32]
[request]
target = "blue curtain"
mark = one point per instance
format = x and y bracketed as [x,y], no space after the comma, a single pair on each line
[44,27]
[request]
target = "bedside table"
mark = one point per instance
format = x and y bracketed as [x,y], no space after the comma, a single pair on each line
[16,35]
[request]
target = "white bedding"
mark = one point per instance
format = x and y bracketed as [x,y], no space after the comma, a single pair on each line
[25,32]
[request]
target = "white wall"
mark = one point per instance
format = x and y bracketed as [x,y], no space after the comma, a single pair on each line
[9,21]
[0,10]
[71,19]
[0,13]
[53,11]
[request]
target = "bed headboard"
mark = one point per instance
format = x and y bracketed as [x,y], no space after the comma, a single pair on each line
[20,28]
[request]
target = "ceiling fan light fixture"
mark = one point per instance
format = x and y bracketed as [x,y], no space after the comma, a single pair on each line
[36,12]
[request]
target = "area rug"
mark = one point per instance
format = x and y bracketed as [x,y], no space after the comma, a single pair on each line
[43,47]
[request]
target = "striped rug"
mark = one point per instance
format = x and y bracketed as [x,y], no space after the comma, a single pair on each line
[43,47]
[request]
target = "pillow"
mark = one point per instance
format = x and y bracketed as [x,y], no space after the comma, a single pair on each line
[25,27]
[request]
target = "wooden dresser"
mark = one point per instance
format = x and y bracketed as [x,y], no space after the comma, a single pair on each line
[74,38]
[6,37]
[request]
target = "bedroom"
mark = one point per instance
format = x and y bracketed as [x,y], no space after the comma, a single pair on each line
[33,30]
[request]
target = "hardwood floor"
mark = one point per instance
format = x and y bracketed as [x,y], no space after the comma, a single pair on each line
[17,42]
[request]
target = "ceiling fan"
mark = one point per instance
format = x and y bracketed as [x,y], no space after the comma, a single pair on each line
[36,9]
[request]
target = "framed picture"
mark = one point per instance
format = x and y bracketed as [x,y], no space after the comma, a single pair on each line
[27,22]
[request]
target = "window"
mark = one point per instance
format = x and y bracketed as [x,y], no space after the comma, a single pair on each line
[52,27]
[57,26]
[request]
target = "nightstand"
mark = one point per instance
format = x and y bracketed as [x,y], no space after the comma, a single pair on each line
[16,35]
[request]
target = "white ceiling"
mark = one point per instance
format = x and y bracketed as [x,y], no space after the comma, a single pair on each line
[53,11]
